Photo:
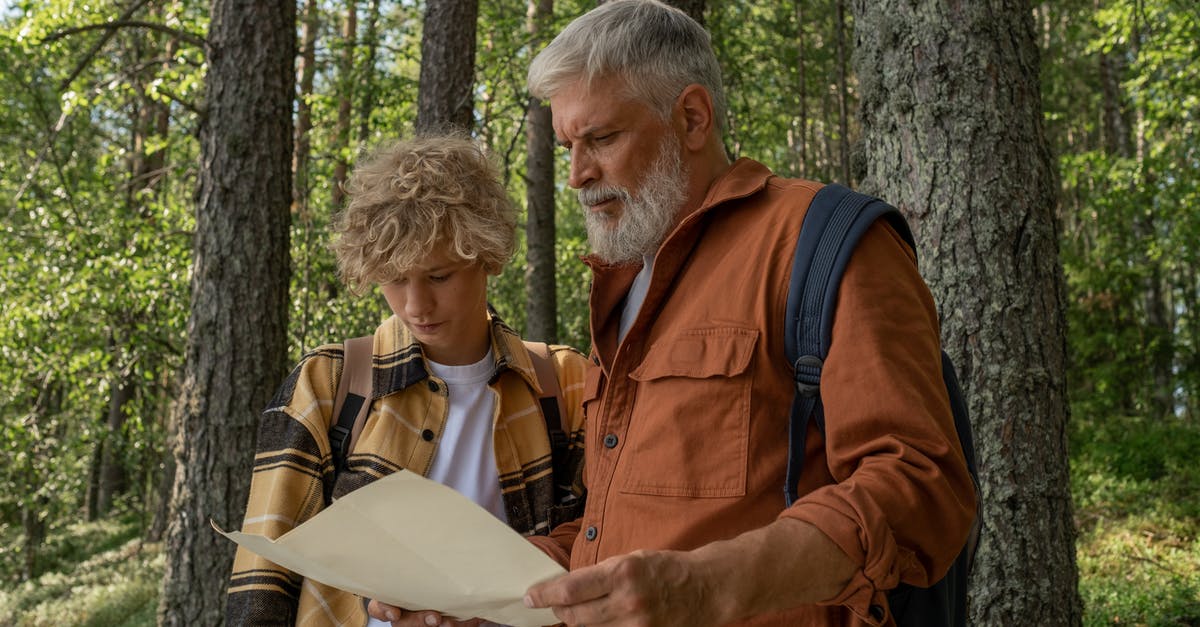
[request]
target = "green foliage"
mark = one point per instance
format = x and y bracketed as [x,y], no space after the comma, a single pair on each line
[102,578]
[1120,93]
[95,276]
[1136,488]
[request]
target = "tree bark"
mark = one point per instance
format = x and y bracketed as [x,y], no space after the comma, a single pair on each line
[444,99]
[112,476]
[307,71]
[951,115]
[341,142]
[237,329]
[541,302]
[367,96]
[800,139]
[843,96]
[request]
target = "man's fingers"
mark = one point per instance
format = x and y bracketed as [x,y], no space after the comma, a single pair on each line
[573,588]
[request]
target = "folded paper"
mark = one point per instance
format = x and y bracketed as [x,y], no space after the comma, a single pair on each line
[416,544]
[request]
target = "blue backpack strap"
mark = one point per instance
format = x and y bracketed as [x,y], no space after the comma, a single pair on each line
[836,220]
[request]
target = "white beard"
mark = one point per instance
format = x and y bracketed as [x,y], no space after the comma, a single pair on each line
[645,218]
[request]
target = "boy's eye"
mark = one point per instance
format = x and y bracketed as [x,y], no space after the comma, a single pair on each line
[438,278]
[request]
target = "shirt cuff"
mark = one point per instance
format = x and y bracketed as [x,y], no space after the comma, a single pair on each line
[866,593]
[548,546]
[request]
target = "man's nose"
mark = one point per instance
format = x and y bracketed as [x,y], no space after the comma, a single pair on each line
[583,169]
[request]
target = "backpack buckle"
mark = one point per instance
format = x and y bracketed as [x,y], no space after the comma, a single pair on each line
[339,442]
[807,374]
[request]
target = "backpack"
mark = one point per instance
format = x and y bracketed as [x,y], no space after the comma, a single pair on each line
[836,220]
[352,401]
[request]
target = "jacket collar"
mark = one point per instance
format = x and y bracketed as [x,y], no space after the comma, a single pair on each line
[400,362]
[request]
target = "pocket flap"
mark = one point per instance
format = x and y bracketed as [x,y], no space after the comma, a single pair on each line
[699,354]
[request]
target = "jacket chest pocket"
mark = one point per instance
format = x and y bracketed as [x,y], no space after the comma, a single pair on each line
[688,434]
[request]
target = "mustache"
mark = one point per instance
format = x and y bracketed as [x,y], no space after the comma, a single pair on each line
[589,196]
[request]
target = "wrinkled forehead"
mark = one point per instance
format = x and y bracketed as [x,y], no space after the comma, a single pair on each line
[581,107]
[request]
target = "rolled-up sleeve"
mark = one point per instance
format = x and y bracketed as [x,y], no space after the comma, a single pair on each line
[902,501]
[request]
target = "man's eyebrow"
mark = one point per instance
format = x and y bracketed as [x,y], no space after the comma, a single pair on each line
[587,133]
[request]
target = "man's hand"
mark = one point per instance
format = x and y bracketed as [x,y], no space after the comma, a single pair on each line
[642,588]
[782,565]
[400,617]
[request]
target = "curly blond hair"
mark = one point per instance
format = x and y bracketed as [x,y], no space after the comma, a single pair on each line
[411,197]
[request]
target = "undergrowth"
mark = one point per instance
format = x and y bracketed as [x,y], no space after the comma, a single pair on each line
[1135,483]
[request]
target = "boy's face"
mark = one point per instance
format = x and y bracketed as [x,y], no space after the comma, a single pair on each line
[443,302]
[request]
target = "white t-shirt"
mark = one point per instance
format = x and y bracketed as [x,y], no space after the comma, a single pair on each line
[465,458]
[636,296]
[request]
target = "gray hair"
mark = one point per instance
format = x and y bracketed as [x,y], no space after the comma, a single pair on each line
[657,49]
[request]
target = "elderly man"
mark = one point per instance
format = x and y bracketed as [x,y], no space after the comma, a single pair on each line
[689,393]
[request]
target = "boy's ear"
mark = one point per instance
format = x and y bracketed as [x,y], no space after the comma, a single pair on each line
[694,104]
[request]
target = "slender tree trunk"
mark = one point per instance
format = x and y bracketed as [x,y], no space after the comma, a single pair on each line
[366,95]
[237,330]
[307,71]
[301,190]
[161,498]
[951,117]
[1159,323]
[801,123]
[112,477]
[843,90]
[541,302]
[341,142]
[444,99]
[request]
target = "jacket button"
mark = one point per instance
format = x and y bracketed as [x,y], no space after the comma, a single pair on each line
[877,612]
[591,533]
[427,435]
[610,441]
[433,386]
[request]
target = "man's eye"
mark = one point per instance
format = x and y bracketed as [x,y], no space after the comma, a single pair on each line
[439,278]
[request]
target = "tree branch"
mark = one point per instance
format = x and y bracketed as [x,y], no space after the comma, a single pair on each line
[192,38]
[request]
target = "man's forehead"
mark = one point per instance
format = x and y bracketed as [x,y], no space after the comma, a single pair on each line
[579,109]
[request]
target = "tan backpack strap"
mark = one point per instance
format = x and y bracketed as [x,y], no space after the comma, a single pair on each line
[353,397]
[558,431]
[543,367]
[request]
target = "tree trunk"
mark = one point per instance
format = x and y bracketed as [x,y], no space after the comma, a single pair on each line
[843,96]
[112,476]
[307,71]
[800,141]
[541,302]
[160,500]
[237,330]
[301,190]
[951,117]
[341,142]
[444,99]
[367,95]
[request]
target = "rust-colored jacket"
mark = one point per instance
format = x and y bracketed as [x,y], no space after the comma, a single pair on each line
[687,419]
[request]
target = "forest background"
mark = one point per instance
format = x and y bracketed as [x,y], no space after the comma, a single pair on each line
[104,182]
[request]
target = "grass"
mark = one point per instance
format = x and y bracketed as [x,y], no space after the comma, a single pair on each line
[1136,486]
[100,575]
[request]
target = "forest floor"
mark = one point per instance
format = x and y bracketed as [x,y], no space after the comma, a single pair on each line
[1136,487]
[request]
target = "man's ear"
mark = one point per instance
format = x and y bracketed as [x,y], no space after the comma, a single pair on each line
[694,104]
